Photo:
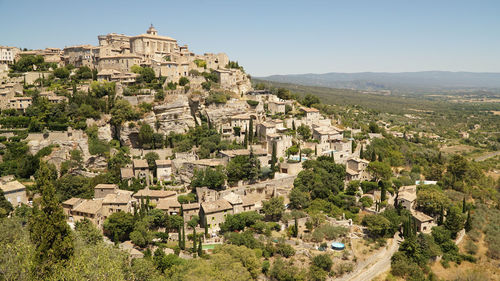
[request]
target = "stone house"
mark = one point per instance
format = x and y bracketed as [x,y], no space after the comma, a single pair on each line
[326,136]
[214,213]
[311,115]
[170,205]
[15,193]
[356,169]
[276,107]
[235,201]
[163,169]
[266,128]
[20,103]
[407,197]
[283,142]
[424,222]
[190,210]
[141,168]
[260,153]
[121,200]
[290,168]
[154,195]
[102,189]
[7,92]
[69,204]
[90,209]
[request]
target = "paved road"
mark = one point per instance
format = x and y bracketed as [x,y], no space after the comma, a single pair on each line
[486,156]
[374,265]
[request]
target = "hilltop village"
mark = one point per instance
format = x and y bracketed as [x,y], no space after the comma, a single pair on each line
[174,156]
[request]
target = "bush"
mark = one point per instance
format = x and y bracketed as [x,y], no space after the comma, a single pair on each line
[252,102]
[183,81]
[323,261]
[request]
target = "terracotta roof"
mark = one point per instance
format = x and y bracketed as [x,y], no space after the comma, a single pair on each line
[167,203]
[89,206]
[421,217]
[236,152]
[409,196]
[155,193]
[12,186]
[140,163]
[351,172]
[72,201]
[126,173]
[233,198]
[120,197]
[216,206]
[106,186]
[163,162]
[191,206]
[359,160]
[251,199]
[309,109]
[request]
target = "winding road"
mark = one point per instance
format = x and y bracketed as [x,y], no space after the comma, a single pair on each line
[374,265]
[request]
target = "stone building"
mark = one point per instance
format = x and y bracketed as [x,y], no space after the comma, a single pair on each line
[8,54]
[424,222]
[407,197]
[154,195]
[101,190]
[163,169]
[214,213]
[20,103]
[15,193]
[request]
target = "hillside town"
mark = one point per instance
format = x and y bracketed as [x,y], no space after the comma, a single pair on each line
[170,153]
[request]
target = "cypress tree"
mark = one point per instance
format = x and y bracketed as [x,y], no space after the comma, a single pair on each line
[383,191]
[361,152]
[441,216]
[179,237]
[296,228]
[194,242]
[183,245]
[293,125]
[206,227]
[373,156]
[316,150]
[200,248]
[245,140]
[274,159]
[49,231]
[464,206]
[468,223]
[250,131]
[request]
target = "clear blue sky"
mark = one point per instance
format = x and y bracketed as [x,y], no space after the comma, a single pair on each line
[281,37]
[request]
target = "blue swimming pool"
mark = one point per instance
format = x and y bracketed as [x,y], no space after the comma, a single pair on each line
[338,246]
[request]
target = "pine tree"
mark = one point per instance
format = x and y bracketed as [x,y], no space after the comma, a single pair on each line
[200,248]
[250,131]
[49,231]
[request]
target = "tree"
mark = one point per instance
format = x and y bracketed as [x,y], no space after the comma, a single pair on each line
[454,220]
[122,111]
[209,177]
[273,208]
[304,131]
[250,131]
[200,247]
[183,81]
[61,73]
[5,205]
[380,170]
[87,232]
[118,226]
[377,225]
[49,231]
[468,222]
[323,261]
[309,100]
[274,159]
[146,135]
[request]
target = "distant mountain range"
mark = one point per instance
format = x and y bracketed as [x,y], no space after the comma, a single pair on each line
[402,81]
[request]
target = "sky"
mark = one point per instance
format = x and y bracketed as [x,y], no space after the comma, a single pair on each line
[280,37]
